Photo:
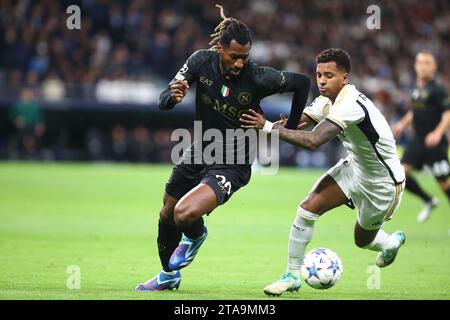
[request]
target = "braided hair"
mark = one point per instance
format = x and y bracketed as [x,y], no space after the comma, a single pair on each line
[229,29]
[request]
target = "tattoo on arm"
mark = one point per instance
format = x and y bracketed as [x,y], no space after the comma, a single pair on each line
[305,122]
[323,132]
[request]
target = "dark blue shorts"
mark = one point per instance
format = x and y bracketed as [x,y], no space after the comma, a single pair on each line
[224,180]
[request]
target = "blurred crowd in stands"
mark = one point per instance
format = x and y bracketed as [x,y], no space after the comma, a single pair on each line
[118,142]
[130,49]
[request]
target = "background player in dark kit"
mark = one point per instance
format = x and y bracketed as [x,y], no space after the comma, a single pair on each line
[430,117]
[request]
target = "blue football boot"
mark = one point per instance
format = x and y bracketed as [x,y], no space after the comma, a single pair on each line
[162,281]
[185,253]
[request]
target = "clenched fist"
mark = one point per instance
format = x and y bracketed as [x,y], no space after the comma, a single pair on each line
[178,90]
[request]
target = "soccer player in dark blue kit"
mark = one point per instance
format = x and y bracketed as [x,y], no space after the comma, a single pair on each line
[430,118]
[228,84]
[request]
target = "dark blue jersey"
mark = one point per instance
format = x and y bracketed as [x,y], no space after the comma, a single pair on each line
[428,105]
[219,102]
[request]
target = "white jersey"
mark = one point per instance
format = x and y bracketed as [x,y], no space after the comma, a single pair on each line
[365,132]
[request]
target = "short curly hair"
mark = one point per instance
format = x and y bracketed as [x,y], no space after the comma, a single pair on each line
[341,57]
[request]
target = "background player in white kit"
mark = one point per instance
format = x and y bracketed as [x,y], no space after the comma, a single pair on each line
[370,178]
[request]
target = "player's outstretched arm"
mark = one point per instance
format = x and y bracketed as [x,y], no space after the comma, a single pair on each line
[400,126]
[434,137]
[323,132]
[300,85]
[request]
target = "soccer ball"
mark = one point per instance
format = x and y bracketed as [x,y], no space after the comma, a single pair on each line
[322,268]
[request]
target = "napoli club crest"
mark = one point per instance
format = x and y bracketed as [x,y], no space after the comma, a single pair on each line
[244,98]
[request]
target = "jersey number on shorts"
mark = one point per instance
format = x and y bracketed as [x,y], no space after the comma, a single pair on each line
[441,168]
[224,183]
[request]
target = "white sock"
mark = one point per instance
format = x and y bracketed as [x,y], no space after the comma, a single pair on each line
[301,234]
[383,241]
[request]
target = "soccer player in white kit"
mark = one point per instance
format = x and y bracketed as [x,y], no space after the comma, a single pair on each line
[370,178]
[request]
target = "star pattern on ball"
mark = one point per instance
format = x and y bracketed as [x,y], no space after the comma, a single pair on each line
[334,266]
[320,251]
[312,272]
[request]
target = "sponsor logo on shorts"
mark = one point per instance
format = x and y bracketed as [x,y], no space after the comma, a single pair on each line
[376,224]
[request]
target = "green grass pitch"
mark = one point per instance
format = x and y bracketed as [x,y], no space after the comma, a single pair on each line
[103,219]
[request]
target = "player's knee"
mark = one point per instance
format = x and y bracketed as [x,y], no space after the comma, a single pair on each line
[444,184]
[166,214]
[408,168]
[362,241]
[184,215]
[309,206]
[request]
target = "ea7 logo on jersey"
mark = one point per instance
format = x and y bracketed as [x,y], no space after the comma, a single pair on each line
[205,81]
[180,74]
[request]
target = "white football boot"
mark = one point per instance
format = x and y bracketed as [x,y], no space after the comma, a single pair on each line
[387,257]
[427,208]
[287,282]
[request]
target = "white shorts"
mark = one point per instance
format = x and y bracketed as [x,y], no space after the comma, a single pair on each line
[376,198]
